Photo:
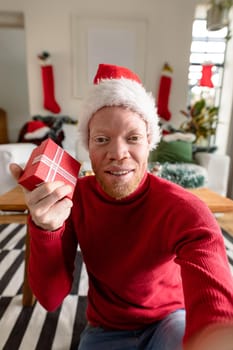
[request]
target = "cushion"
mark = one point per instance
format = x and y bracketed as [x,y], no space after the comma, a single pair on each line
[172,152]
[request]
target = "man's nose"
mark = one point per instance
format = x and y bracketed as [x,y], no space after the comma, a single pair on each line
[118,149]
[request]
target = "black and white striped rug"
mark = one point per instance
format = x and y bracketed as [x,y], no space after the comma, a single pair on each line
[32,328]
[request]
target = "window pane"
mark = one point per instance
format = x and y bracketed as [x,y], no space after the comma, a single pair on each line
[199,28]
[207,47]
[203,46]
[215,58]
[221,33]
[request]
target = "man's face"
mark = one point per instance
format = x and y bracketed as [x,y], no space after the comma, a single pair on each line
[118,149]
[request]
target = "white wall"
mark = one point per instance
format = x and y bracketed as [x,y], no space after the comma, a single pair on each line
[13,77]
[224,133]
[48,27]
[230,151]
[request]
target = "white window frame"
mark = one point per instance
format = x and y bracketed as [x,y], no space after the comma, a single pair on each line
[195,92]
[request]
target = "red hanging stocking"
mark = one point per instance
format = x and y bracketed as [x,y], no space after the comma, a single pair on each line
[164,92]
[48,89]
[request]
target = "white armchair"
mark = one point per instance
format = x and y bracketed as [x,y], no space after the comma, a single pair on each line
[218,168]
[12,153]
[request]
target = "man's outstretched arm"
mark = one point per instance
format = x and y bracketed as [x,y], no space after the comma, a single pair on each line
[214,337]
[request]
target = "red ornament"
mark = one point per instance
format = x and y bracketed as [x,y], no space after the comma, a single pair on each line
[206,76]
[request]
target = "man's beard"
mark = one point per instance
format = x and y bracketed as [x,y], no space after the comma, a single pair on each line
[118,190]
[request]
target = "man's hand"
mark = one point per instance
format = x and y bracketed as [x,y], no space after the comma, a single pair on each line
[215,337]
[48,205]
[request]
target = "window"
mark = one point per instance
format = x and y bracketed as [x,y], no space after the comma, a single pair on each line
[207,46]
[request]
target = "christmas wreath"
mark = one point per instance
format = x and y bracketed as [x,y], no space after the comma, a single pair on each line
[183,174]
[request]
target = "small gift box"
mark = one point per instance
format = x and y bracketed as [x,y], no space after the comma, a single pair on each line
[49,162]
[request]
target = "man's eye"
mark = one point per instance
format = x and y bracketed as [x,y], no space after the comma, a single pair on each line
[134,138]
[101,139]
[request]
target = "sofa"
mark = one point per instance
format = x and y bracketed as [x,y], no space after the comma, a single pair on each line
[179,160]
[215,166]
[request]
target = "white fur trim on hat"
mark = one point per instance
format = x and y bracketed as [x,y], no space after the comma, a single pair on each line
[119,92]
[176,136]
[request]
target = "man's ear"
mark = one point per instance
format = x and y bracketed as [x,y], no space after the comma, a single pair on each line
[148,139]
[88,136]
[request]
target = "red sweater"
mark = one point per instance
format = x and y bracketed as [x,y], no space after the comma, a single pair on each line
[158,250]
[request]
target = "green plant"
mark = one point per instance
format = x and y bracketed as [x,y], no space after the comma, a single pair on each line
[201,120]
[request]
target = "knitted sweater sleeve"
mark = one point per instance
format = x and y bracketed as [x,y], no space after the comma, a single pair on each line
[206,277]
[51,264]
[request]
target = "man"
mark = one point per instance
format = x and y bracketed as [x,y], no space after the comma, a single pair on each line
[151,248]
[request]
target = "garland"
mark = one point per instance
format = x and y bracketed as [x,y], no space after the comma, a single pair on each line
[183,174]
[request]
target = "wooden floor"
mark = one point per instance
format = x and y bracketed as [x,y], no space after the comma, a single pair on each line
[226,221]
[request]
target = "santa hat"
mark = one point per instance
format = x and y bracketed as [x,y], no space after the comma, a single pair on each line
[36,129]
[118,86]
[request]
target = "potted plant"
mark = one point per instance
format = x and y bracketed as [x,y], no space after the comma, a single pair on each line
[201,120]
[218,14]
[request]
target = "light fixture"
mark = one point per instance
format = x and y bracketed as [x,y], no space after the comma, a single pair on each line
[218,14]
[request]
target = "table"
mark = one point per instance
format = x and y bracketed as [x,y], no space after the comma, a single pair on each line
[215,202]
[12,202]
